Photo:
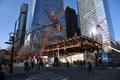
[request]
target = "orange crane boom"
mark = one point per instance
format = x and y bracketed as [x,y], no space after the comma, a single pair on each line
[52,19]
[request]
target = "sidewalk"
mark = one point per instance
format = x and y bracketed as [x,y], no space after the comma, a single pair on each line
[18,69]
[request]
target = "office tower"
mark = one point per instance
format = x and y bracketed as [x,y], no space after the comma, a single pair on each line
[22,19]
[94,14]
[40,19]
[71,22]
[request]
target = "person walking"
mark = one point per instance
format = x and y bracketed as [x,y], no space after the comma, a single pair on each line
[26,67]
[78,63]
[32,64]
[56,62]
[83,63]
[40,63]
[90,68]
[2,74]
[68,65]
[99,61]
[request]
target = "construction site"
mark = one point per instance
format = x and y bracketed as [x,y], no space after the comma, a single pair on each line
[79,47]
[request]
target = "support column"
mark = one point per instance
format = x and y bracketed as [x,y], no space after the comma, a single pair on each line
[58,54]
[85,55]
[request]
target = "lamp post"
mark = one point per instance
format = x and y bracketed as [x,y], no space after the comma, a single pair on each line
[21,17]
[12,41]
[11,61]
[13,46]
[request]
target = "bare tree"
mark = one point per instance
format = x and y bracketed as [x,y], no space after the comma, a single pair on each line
[25,52]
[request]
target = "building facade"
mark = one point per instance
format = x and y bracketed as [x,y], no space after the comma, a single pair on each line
[95,20]
[21,31]
[41,19]
[71,22]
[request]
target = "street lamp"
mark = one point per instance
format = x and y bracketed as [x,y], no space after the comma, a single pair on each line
[12,41]
[12,50]
[21,18]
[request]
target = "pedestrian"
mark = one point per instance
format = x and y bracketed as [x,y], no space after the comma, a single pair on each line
[83,62]
[26,67]
[78,63]
[2,74]
[90,68]
[40,63]
[67,64]
[99,61]
[56,61]
[32,64]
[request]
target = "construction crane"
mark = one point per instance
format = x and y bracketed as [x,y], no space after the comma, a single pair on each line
[98,27]
[97,30]
[52,18]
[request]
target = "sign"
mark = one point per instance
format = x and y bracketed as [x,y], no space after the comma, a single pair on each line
[105,59]
[8,42]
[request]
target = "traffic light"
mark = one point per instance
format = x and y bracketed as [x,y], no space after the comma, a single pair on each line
[58,27]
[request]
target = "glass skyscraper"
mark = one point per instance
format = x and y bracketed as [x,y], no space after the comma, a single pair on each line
[40,19]
[20,33]
[71,22]
[93,13]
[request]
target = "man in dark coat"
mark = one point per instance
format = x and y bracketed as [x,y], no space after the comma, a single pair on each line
[90,68]
[2,75]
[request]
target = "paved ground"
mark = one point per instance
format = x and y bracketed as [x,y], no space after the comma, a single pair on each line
[68,74]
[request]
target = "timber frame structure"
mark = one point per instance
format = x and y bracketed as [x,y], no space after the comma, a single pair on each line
[71,45]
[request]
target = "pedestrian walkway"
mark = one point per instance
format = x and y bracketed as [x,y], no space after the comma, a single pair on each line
[18,69]
[60,73]
[46,75]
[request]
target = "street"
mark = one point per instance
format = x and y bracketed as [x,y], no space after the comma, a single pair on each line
[69,74]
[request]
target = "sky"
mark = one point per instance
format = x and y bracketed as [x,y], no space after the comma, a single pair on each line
[10,9]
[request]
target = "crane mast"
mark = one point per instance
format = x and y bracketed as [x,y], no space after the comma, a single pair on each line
[52,18]
[103,32]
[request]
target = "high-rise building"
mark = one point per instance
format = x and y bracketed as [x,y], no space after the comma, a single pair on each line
[95,13]
[71,22]
[41,19]
[22,19]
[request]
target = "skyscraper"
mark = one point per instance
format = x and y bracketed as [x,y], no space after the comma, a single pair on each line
[22,19]
[71,22]
[41,19]
[94,14]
